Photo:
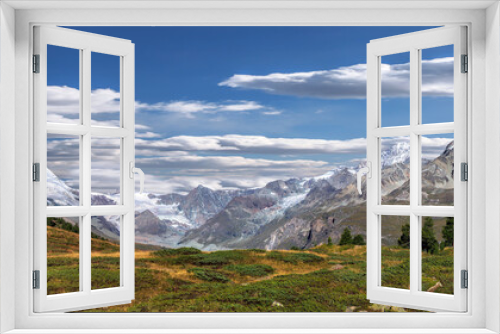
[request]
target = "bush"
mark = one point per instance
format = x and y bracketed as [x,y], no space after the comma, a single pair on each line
[254,270]
[216,259]
[346,237]
[294,257]
[209,275]
[330,243]
[177,251]
[358,240]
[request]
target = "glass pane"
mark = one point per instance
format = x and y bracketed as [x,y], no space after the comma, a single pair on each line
[437,169]
[105,97]
[63,170]
[437,84]
[63,85]
[105,251]
[395,234]
[395,165]
[63,255]
[106,171]
[437,254]
[395,89]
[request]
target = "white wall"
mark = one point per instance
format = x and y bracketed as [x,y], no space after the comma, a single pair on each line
[7,159]
[492,171]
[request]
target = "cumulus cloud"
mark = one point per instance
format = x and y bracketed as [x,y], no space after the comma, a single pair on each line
[195,162]
[147,134]
[349,82]
[179,164]
[63,105]
[255,144]
[189,108]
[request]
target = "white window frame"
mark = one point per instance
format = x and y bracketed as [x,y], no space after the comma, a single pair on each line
[85,44]
[484,125]
[413,43]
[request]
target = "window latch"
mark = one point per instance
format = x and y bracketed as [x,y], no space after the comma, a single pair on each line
[365,170]
[134,170]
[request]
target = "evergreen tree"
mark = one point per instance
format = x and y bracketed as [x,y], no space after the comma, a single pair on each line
[404,240]
[448,232]
[346,237]
[358,240]
[429,241]
[330,243]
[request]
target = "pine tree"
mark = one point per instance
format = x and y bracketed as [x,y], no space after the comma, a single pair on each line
[346,237]
[330,243]
[358,240]
[429,241]
[404,240]
[448,232]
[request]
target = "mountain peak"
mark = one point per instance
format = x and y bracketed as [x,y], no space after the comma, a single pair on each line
[397,153]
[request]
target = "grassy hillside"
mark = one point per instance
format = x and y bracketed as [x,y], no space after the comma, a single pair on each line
[323,279]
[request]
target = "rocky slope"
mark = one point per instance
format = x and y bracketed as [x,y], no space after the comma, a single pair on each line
[282,214]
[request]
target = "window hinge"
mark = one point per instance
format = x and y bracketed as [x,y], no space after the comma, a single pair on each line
[465,64]
[465,279]
[36,63]
[36,279]
[464,171]
[36,172]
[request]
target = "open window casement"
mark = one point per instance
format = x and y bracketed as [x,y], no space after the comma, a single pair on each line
[90,139]
[416,206]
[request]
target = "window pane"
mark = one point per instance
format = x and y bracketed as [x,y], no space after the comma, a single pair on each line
[63,85]
[437,84]
[395,234]
[106,169]
[63,170]
[105,98]
[63,255]
[438,169]
[105,252]
[395,166]
[437,254]
[395,89]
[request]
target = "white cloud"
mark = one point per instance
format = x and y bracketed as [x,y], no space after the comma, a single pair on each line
[171,165]
[195,162]
[349,82]
[147,134]
[272,113]
[255,144]
[190,108]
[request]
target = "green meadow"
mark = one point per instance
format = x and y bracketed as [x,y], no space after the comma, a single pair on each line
[327,278]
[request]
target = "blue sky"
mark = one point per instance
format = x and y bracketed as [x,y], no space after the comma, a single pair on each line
[228,88]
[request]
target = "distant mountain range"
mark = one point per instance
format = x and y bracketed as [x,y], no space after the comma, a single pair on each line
[282,214]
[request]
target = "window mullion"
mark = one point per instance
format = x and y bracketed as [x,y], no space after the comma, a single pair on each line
[85,161]
[414,170]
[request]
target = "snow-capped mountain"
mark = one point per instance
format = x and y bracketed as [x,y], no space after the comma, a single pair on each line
[397,154]
[281,214]
[59,193]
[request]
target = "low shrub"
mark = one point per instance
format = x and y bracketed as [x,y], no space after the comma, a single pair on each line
[254,270]
[294,257]
[177,251]
[209,275]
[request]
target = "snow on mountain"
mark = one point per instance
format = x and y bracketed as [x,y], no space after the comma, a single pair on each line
[59,193]
[170,212]
[398,153]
